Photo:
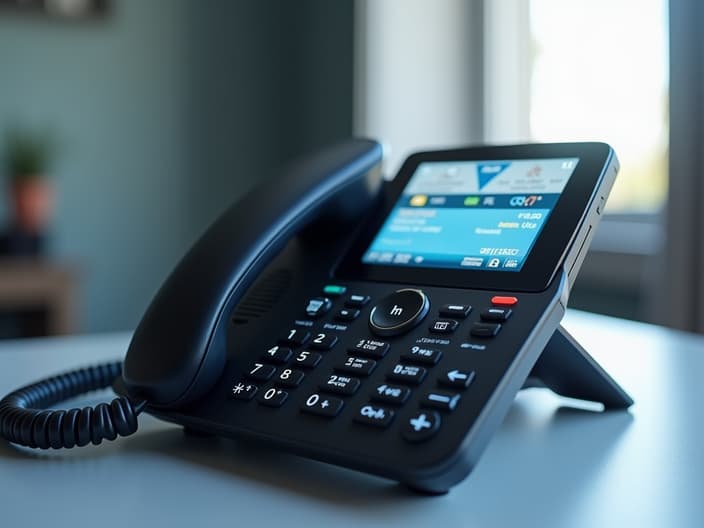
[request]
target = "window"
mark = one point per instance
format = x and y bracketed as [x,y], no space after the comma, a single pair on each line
[599,70]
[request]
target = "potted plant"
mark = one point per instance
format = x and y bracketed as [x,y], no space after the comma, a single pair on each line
[28,156]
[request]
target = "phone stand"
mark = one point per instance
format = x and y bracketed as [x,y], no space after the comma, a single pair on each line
[567,369]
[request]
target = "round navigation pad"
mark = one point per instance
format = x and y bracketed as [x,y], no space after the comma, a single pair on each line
[398,312]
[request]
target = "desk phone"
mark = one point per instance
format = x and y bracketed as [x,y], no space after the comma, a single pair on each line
[384,326]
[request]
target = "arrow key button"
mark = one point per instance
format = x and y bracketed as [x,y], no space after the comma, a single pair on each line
[459,379]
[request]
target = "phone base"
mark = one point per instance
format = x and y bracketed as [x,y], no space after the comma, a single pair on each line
[567,369]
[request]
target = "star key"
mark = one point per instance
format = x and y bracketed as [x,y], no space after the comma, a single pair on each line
[243,391]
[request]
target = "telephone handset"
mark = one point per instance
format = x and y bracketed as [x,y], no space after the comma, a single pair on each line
[393,343]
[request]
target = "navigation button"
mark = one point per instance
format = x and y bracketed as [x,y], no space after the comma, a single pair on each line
[443,326]
[374,415]
[441,400]
[498,315]
[485,329]
[318,306]
[456,311]
[457,378]
[421,426]
[399,312]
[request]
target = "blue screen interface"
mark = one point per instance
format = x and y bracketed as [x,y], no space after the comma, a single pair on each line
[471,214]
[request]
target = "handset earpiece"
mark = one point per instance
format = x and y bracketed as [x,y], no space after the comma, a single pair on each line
[178,351]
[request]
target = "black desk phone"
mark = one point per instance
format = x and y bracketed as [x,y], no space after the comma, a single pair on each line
[384,327]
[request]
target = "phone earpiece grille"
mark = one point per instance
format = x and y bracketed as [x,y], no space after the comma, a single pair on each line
[263,296]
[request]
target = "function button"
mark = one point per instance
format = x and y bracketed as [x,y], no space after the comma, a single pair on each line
[443,326]
[398,312]
[485,329]
[407,374]
[308,359]
[260,372]
[334,290]
[290,378]
[421,426]
[370,347]
[374,415]
[322,405]
[458,311]
[323,341]
[340,384]
[295,337]
[318,306]
[496,314]
[441,400]
[347,314]
[501,300]
[272,397]
[357,301]
[356,365]
[457,378]
[277,355]
[243,391]
[427,356]
[391,394]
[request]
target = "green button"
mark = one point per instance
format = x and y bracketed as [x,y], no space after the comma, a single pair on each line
[334,289]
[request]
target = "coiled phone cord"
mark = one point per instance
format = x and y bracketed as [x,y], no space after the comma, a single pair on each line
[24,420]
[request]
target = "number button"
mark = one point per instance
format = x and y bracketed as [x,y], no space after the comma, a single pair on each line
[261,372]
[326,406]
[277,355]
[308,359]
[243,391]
[391,394]
[407,374]
[340,384]
[418,354]
[370,348]
[290,378]
[295,337]
[355,365]
[323,341]
[272,397]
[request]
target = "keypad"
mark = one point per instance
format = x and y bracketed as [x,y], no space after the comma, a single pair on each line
[424,376]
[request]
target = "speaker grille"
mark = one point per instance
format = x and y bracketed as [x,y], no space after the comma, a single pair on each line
[263,296]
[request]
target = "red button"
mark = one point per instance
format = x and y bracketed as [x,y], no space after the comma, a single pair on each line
[498,300]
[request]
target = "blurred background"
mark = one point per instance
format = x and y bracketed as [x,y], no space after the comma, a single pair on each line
[126,127]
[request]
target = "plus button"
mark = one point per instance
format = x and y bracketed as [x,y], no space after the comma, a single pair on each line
[421,426]
[420,423]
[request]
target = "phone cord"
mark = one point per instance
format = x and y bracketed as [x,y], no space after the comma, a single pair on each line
[24,420]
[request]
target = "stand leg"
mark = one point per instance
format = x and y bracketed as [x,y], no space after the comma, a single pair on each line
[568,370]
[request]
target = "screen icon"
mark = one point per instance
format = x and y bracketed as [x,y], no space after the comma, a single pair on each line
[489,200]
[471,201]
[418,200]
[472,262]
[494,263]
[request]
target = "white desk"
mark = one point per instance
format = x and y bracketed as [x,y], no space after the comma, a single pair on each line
[547,465]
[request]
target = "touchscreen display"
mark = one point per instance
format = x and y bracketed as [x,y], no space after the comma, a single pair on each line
[471,214]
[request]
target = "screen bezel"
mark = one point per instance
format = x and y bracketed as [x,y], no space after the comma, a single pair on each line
[549,249]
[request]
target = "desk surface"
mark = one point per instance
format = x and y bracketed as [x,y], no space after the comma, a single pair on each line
[548,465]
